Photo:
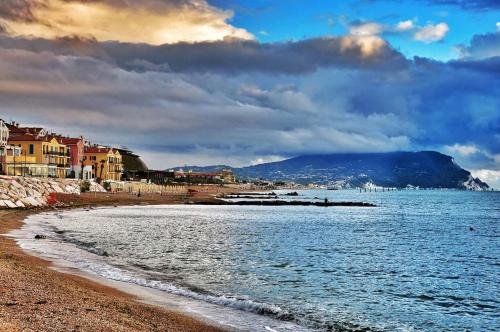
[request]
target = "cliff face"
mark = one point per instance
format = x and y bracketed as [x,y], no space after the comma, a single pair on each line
[426,169]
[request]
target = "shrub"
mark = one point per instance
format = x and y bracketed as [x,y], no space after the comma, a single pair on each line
[85,186]
[106,185]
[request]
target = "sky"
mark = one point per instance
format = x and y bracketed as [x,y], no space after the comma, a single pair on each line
[239,82]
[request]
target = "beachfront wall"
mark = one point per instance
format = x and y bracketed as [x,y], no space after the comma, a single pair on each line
[147,188]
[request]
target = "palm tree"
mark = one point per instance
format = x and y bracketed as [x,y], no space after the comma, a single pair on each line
[102,168]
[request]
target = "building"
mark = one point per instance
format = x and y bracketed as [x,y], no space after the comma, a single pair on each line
[76,147]
[40,155]
[151,176]
[102,163]
[8,153]
[16,130]
[220,177]
[31,151]
[4,134]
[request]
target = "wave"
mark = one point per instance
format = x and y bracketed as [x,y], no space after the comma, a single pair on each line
[100,265]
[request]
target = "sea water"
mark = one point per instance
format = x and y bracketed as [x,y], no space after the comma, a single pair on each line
[421,260]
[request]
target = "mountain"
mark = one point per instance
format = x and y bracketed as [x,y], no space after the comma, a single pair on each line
[425,169]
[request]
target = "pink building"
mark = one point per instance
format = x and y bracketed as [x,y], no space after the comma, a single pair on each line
[76,149]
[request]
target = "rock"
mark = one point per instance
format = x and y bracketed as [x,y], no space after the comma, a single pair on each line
[20,204]
[40,237]
[10,204]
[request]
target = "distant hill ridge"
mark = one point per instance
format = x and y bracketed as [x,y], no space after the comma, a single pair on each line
[425,169]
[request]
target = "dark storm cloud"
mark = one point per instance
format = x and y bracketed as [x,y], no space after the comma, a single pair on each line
[227,99]
[18,10]
[228,56]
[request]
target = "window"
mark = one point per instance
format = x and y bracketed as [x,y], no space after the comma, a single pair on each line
[32,149]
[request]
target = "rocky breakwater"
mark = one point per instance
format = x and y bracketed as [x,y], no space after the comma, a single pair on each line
[27,192]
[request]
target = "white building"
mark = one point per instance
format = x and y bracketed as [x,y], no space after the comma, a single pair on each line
[7,152]
[4,134]
[87,173]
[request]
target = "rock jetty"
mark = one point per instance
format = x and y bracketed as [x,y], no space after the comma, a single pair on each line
[28,192]
[286,203]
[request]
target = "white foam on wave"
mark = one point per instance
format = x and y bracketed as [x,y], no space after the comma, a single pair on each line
[68,255]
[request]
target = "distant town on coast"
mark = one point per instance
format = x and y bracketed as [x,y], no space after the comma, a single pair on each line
[39,152]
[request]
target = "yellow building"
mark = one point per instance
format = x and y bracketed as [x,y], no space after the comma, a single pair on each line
[103,163]
[40,156]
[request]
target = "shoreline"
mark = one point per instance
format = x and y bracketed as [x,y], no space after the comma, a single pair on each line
[35,295]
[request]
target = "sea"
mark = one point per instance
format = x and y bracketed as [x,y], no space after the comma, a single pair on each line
[421,260]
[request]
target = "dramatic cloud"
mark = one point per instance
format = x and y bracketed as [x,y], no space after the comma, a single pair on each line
[175,81]
[151,21]
[229,56]
[335,101]
[432,33]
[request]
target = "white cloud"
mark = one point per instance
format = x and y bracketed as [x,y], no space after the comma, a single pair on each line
[491,177]
[367,29]
[405,25]
[464,150]
[498,26]
[432,32]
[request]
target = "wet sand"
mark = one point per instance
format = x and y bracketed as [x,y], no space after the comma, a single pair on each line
[34,297]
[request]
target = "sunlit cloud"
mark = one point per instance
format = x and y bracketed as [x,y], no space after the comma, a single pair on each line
[368,45]
[192,21]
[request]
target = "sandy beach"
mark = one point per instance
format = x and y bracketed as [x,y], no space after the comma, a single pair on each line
[34,297]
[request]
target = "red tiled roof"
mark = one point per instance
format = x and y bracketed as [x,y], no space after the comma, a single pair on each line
[16,131]
[26,137]
[70,140]
[95,149]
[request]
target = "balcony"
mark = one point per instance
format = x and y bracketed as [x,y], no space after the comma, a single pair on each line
[19,160]
[57,154]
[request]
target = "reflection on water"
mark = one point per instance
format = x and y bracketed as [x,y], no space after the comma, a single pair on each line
[411,262]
